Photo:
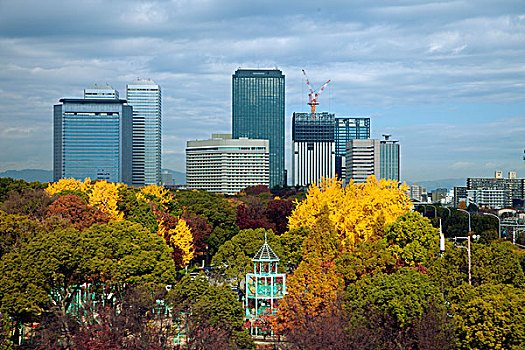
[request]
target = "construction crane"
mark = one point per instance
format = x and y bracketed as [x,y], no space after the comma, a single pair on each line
[313,95]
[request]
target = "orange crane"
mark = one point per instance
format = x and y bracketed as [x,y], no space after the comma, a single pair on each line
[313,95]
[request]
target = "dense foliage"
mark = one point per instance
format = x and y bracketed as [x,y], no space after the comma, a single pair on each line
[364,271]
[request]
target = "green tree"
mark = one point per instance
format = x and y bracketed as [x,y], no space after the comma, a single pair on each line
[234,258]
[136,210]
[211,314]
[14,230]
[44,274]
[9,186]
[490,316]
[413,239]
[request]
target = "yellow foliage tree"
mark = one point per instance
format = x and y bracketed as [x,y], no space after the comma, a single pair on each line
[68,185]
[161,194]
[357,211]
[181,237]
[104,196]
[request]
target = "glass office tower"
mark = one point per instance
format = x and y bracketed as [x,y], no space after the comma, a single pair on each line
[346,129]
[389,156]
[145,98]
[92,138]
[258,113]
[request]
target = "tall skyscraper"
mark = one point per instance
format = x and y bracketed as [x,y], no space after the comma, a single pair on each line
[92,138]
[346,129]
[313,147]
[362,160]
[145,98]
[258,113]
[389,158]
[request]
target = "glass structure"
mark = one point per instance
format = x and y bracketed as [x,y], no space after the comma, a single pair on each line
[346,129]
[258,113]
[92,138]
[389,158]
[264,288]
[145,98]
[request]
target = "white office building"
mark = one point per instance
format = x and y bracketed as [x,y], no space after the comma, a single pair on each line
[362,160]
[145,98]
[225,165]
[104,92]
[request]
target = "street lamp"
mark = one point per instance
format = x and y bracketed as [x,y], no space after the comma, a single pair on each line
[468,246]
[499,223]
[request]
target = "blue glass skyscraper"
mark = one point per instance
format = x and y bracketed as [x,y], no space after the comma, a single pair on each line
[346,129]
[258,113]
[389,155]
[92,138]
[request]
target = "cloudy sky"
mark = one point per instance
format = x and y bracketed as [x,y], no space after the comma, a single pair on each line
[446,78]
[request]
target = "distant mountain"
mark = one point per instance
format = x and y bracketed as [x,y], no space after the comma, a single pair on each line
[178,177]
[444,183]
[29,175]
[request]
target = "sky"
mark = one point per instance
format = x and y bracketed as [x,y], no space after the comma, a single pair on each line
[445,78]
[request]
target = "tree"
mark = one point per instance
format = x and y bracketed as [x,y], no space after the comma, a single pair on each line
[136,210]
[315,284]
[9,186]
[15,230]
[234,258]
[31,202]
[407,306]
[358,211]
[216,209]
[68,185]
[211,315]
[413,239]
[277,213]
[46,272]
[182,239]
[77,212]
[200,230]
[104,196]
[490,316]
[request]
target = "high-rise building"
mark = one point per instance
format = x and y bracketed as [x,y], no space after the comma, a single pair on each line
[92,138]
[104,92]
[313,147]
[258,113]
[389,158]
[145,97]
[346,129]
[512,189]
[362,160]
[225,165]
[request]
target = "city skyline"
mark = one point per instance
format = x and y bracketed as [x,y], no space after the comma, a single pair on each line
[445,78]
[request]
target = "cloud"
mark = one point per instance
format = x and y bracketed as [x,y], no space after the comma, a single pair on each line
[461,165]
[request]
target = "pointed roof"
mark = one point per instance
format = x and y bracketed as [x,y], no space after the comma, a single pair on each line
[266,253]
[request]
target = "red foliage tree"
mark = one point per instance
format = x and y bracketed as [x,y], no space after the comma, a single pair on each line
[200,230]
[77,212]
[256,190]
[277,213]
[252,217]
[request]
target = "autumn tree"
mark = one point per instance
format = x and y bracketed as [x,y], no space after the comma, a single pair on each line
[104,196]
[315,283]
[277,212]
[31,202]
[10,186]
[182,239]
[357,211]
[77,212]
[200,230]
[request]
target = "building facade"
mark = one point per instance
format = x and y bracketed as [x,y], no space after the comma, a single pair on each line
[389,156]
[146,99]
[513,188]
[104,92]
[346,129]
[92,138]
[362,160]
[225,165]
[313,147]
[258,113]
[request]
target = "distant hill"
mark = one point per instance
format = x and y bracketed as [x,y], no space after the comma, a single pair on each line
[29,175]
[444,183]
[178,177]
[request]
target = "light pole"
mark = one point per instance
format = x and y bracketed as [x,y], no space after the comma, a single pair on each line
[449,212]
[499,223]
[468,246]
